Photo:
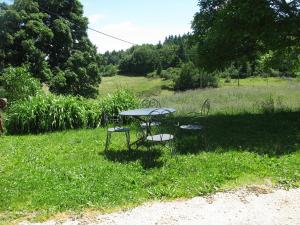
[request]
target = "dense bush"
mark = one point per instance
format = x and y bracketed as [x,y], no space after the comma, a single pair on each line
[17,83]
[45,113]
[171,73]
[187,78]
[190,78]
[284,62]
[109,70]
[272,105]
[119,101]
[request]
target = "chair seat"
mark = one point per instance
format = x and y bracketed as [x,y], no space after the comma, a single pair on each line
[118,129]
[160,137]
[191,127]
[152,124]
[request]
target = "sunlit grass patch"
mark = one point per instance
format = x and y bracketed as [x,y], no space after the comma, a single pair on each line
[142,86]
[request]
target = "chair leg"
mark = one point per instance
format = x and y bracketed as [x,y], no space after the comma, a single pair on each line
[172,147]
[108,137]
[127,134]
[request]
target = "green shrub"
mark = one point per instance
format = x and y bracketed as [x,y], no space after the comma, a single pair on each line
[187,78]
[17,83]
[45,113]
[206,79]
[109,70]
[152,74]
[171,73]
[229,72]
[190,78]
[272,105]
[119,101]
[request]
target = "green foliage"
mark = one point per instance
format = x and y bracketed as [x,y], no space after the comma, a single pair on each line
[45,113]
[190,78]
[119,101]
[187,78]
[80,76]
[141,61]
[206,79]
[171,73]
[56,48]
[109,70]
[145,59]
[279,63]
[18,84]
[229,72]
[271,105]
[239,31]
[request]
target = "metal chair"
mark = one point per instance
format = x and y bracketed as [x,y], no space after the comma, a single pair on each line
[149,103]
[162,135]
[116,127]
[194,120]
[205,108]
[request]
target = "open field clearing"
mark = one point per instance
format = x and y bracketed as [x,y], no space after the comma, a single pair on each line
[142,86]
[252,96]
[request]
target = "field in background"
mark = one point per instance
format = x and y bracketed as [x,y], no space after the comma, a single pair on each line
[254,95]
[142,86]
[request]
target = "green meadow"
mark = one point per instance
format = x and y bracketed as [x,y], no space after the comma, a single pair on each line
[252,137]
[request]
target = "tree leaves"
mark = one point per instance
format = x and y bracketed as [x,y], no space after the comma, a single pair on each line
[50,37]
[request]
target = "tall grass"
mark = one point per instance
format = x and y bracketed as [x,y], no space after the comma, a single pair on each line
[234,100]
[45,113]
[49,113]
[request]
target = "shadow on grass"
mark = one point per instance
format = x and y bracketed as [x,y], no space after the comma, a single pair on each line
[148,159]
[272,134]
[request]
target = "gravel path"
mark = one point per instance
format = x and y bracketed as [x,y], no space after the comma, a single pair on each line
[250,206]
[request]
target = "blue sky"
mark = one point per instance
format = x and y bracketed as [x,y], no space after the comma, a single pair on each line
[138,21]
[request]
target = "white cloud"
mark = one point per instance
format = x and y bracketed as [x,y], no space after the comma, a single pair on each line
[94,19]
[131,32]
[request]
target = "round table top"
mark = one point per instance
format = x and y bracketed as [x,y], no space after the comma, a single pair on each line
[191,127]
[148,112]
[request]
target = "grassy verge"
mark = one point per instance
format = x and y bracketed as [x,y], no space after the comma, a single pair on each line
[41,175]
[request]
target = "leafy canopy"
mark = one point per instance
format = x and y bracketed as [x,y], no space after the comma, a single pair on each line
[237,31]
[50,36]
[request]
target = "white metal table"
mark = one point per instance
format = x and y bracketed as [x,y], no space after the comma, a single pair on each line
[144,116]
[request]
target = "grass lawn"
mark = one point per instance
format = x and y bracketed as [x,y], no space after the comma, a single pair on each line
[41,175]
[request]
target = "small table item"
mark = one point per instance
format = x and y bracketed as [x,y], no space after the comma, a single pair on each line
[191,127]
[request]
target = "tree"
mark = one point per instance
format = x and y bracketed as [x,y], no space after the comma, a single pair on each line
[141,61]
[51,37]
[24,38]
[237,31]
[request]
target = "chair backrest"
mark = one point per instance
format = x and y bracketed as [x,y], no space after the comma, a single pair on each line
[205,108]
[112,120]
[163,116]
[150,103]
